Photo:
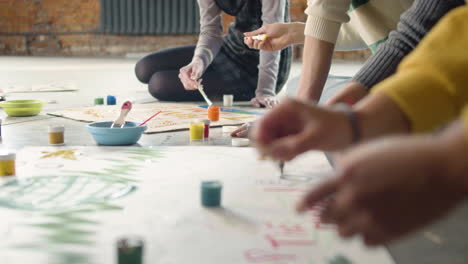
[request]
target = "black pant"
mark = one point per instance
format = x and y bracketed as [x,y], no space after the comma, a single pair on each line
[160,71]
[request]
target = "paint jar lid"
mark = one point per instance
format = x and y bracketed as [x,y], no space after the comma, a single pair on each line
[6,155]
[211,193]
[56,128]
[240,142]
[197,121]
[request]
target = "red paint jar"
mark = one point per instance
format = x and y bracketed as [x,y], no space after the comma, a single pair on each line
[207,123]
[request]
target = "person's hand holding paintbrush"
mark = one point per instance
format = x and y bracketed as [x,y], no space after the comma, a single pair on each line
[191,74]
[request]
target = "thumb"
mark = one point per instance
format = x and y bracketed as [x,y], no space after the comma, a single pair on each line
[259,31]
[288,147]
[197,71]
[319,193]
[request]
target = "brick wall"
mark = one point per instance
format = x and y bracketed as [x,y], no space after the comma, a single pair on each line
[70,28]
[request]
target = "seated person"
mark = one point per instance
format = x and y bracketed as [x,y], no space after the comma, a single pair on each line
[224,65]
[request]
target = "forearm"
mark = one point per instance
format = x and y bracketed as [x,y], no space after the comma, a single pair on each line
[267,73]
[378,115]
[415,23]
[454,144]
[315,67]
[210,38]
[296,31]
[272,12]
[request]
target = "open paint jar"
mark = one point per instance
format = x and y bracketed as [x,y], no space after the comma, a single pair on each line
[213,113]
[197,130]
[7,164]
[207,123]
[56,135]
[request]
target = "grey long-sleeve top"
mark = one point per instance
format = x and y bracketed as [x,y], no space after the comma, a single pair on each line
[414,24]
[210,40]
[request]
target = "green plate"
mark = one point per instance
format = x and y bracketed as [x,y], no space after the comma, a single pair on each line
[22,107]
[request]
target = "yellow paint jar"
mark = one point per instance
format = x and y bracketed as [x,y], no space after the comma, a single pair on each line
[56,135]
[197,130]
[7,164]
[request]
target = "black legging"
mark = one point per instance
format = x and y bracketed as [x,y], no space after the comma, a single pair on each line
[160,70]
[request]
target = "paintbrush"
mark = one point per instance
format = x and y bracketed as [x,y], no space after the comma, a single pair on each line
[281,166]
[120,121]
[151,117]
[202,92]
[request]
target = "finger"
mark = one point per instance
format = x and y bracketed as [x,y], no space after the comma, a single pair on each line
[183,80]
[255,32]
[269,127]
[262,44]
[243,133]
[355,224]
[374,235]
[196,73]
[187,82]
[288,147]
[342,206]
[255,103]
[249,42]
[269,103]
[257,44]
[317,194]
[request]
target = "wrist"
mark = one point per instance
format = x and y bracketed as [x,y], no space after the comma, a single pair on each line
[352,121]
[297,32]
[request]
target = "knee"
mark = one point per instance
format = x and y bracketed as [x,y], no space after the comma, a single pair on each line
[143,71]
[162,85]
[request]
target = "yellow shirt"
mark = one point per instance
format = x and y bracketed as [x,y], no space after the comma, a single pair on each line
[431,84]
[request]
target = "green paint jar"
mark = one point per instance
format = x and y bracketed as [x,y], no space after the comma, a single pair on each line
[211,193]
[130,250]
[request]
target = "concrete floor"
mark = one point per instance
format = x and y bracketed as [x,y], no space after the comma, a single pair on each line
[443,242]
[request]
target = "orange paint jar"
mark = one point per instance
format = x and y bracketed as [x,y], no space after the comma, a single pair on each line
[213,113]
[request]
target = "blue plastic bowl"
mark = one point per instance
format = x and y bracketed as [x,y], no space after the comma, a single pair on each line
[104,135]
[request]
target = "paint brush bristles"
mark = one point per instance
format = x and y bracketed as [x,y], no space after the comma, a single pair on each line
[151,117]
[202,92]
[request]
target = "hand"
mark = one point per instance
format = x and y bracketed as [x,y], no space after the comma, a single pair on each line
[293,127]
[242,131]
[389,188]
[190,74]
[279,36]
[266,101]
[351,94]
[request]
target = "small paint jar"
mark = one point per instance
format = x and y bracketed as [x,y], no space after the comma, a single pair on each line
[99,101]
[211,193]
[197,130]
[111,100]
[213,113]
[56,135]
[7,164]
[207,123]
[130,250]
[228,100]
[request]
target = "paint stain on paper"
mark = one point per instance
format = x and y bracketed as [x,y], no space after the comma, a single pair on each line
[64,154]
